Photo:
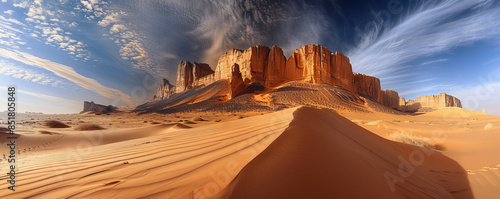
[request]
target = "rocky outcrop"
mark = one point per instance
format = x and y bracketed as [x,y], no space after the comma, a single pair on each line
[438,101]
[237,84]
[389,98]
[316,64]
[192,75]
[184,77]
[97,108]
[402,104]
[310,63]
[251,62]
[367,85]
[431,102]
[164,91]
[276,66]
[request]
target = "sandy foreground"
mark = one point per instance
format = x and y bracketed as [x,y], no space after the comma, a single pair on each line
[299,152]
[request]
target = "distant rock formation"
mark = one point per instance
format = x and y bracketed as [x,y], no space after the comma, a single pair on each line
[97,108]
[192,75]
[268,66]
[164,91]
[430,102]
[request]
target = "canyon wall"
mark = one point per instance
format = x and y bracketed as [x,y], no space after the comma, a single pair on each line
[269,67]
[164,91]
[192,75]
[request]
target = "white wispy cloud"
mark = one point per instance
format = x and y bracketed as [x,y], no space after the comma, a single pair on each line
[68,73]
[434,61]
[219,26]
[22,4]
[10,31]
[53,30]
[9,12]
[430,30]
[19,72]
[47,97]
[129,40]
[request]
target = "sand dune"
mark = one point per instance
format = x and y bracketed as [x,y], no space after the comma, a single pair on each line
[317,155]
[165,163]
[470,138]
[323,155]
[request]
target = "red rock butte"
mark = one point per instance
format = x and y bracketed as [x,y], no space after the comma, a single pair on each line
[311,63]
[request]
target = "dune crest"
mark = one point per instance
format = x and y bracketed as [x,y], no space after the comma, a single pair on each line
[323,155]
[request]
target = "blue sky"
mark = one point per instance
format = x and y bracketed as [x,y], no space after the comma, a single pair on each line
[59,53]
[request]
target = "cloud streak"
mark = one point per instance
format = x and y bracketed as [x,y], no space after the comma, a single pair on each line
[432,29]
[434,61]
[68,73]
[47,97]
[25,74]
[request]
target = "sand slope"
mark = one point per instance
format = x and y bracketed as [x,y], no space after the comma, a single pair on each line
[167,163]
[323,155]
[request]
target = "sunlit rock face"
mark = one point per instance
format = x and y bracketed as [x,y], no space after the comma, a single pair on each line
[438,101]
[430,102]
[184,76]
[367,85]
[192,75]
[236,81]
[164,91]
[311,63]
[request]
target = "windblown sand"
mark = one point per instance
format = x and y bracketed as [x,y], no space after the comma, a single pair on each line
[299,152]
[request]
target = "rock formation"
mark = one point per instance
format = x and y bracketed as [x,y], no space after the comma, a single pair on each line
[311,63]
[192,75]
[275,69]
[98,108]
[389,98]
[164,91]
[237,84]
[431,102]
[402,104]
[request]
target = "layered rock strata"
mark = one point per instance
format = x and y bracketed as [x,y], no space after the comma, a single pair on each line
[164,91]
[269,67]
[430,102]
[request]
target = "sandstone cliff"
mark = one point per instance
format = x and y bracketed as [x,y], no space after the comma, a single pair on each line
[237,84]
[311,63]
[164,91]
[431,102]
[98,108]
[192,75]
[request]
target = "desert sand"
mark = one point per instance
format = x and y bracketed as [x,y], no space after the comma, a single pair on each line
[299,152]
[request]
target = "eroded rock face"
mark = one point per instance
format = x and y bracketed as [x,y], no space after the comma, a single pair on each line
[430,102]
[274,73]
[310,63]
[402,104]
[389,98]
[438,101]
[192,75]
[98,108]
[251,62]
[184,77]
[164,91]
[367,85]
[316,64]
[237,84]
